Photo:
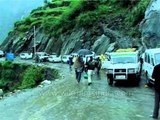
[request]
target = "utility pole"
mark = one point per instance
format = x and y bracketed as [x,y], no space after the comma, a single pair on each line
[34,41]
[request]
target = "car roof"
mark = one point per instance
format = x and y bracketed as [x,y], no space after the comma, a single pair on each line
[153,51]
[40,52]
[24,53]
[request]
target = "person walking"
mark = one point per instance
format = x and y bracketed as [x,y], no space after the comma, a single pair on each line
[156,76]
[70,62]
[78,66]
[90,66]
[98,65]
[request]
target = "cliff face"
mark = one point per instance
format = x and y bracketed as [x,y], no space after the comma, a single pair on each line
[150,25]
[67,26]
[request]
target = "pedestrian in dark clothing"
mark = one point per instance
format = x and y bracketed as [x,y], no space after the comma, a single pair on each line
[78,65]
[141,64]
[156,76]
[37,60]
[90,66]
[70,62]
[98,65]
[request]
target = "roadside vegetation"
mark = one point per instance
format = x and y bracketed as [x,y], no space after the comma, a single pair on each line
[61,16]
[20,76]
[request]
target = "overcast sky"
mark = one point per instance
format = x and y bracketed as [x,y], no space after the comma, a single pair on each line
[13,10]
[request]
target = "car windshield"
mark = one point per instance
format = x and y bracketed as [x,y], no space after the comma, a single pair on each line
[117,60]
[157,58]
[22,54]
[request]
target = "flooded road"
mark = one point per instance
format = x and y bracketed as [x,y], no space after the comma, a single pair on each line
[64,99]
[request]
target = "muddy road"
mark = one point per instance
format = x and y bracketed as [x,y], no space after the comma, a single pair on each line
[64,99]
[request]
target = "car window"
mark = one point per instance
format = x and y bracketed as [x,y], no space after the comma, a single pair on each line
[117,60]
[149,59]
[146,58]
[157,58]
[152,61]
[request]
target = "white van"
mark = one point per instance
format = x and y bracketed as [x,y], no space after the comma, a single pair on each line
[43,56]
[151,58]
[65,58]
[26,55]
[124,65]
[54,58]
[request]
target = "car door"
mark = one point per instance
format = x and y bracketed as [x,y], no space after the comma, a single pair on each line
[145,64]
[150,66]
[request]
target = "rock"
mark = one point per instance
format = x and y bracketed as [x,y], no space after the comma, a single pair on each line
[150,25]
[101,45]
[56,80]
[111,47]
[9,94]
[125,42]
[16,91]
[1,92]
[40,85]
[45,82]
[63,76]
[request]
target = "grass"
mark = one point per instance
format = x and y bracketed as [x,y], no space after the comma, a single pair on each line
[137,13]
[32,76]
[26,76]
[61,16]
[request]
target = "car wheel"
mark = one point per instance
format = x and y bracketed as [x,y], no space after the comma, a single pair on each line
[138,78]
[110,81]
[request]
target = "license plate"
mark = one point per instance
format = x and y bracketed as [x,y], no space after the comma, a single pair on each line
[120,77]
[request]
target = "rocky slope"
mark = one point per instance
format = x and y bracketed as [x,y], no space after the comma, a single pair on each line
[67,26]
[150,25]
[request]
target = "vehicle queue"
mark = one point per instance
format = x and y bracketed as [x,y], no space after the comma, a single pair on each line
[111,62]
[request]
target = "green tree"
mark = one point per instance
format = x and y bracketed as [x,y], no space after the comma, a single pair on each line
[45,1]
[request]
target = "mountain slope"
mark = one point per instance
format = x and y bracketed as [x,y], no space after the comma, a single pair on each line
[66,26]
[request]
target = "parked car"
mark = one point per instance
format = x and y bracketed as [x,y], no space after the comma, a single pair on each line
[151,59]
[1,53]
[65,58]
[26,55]
[54,58]
[42,56]
[74,54]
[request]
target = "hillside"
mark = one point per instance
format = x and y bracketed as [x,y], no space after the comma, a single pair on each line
[66,26]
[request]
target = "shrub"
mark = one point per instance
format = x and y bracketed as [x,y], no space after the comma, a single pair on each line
[35,10]
[126,3]
[36,23]
[137,13]
[31,77]
[18,23]
[23,28]
[87,18]
[38,13]
[19,76]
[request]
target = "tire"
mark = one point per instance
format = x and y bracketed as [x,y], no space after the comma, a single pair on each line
[110,81]
[138,78]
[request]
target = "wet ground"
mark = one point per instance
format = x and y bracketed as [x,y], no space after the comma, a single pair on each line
[64,99]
